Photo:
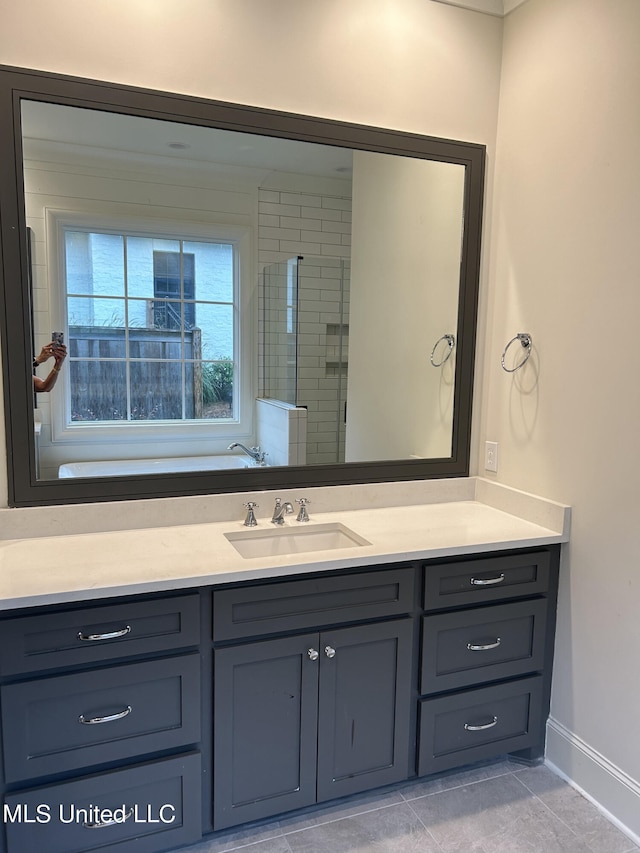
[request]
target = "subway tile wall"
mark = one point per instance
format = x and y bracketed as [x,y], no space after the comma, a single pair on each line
[283,430]
[316,226]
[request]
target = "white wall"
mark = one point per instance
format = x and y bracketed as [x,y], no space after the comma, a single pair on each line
[407,233]
[564,267]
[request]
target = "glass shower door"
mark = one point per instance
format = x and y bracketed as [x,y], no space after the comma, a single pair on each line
[280,331]
[305,342]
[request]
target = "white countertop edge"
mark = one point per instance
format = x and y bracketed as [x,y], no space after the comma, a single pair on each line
[50,570]
[179,584]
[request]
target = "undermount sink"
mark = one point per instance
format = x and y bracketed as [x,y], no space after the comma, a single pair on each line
[298,540]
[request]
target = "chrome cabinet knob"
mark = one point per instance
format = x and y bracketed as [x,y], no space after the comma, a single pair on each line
[313,654]
[329,652]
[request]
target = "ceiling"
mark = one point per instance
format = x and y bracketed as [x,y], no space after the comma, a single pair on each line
[132,137]
[489,7]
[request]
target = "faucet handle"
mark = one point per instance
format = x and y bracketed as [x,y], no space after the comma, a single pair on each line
[303,515]
[259,455]
[250,520]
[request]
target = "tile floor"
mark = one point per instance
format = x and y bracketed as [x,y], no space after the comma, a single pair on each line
[495,808]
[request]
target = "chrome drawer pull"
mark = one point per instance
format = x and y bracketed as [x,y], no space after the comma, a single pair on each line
[110,635]
[482,647]
[113,822]
[490,725]
[94,721]
[487,581]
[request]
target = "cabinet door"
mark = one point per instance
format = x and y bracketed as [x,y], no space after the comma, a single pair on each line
[364,707]
[265,723]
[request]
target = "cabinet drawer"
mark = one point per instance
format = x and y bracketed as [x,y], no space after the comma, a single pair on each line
[92,634]
[478,724]
[160,800]
[483,644]
[58,724]
[475,581]
[298,605]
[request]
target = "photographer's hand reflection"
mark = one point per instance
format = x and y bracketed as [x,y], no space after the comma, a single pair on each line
[53,350]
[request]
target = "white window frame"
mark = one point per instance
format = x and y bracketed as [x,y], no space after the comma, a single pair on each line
[216,434]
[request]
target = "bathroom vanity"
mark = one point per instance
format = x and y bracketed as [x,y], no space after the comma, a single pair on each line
[183,701]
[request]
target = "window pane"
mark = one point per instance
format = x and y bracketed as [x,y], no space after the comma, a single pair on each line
[140,313]
[156,391]
[171,314]
[89,311]
[216,322]
[96,342]
[213,270]
[217,389]
[98,390]
[94,263]
[155,344]
[162,245]
[78,262]
[140,267]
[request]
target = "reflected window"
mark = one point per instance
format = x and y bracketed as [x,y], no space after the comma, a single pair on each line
[151,327]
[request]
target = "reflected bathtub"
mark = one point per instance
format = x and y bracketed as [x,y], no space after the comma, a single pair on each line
[171,465]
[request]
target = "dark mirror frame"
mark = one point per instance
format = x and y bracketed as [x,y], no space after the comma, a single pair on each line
[24,488]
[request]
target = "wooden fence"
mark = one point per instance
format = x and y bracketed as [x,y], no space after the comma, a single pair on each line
[98,373]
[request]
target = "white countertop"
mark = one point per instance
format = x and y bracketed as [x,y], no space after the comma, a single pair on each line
[82,566]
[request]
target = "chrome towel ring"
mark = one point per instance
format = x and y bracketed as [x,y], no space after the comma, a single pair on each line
[451,341]
[526,342]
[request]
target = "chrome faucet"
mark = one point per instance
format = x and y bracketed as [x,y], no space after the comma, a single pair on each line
[254,452]
[279,511]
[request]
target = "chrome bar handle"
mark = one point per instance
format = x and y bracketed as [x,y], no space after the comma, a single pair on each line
[329,651]
[482,728]
[113,822]
[109,635]
[483,647]
[94,721]
[487,581]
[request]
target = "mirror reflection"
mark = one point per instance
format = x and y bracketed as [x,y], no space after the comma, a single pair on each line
[232,300]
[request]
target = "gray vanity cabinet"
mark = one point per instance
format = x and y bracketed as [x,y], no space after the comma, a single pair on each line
[487,651]
[244,701]
[317,715]
[101,714]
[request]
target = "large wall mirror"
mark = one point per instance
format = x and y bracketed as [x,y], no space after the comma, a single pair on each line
[249,299]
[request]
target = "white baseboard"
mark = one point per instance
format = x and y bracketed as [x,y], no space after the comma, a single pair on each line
[610,789]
